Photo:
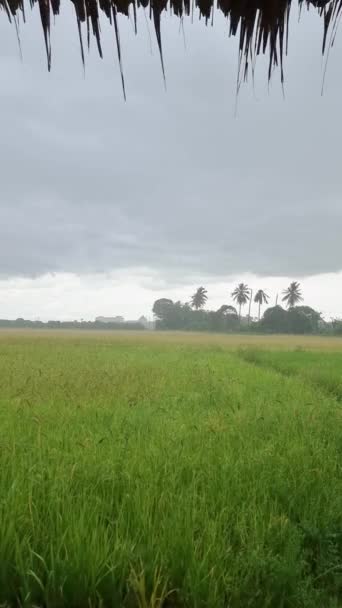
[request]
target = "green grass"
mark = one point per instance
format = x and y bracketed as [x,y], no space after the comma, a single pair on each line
[324,371]
[150,471]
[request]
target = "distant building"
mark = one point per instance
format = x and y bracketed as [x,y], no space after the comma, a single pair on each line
[109,320]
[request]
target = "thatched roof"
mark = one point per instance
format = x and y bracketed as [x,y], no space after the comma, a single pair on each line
[261,25]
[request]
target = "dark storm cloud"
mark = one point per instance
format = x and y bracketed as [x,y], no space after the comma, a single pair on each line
[169,181]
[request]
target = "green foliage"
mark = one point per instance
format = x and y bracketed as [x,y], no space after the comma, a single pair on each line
[225,319]
[241,295]
[275,320]
[261,298]
[178,316]
[174,315]
[323,372]
[303,320]
[295,320]
[161,307]
[199,298]
[337,327]
[292,295]
[140,473]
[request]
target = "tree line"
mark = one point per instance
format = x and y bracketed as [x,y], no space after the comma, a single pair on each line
[292,317]
[242,294]
[89,325]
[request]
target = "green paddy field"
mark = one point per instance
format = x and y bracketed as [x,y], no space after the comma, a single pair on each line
[166,470]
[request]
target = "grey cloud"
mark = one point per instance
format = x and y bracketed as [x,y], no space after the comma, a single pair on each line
[169,181]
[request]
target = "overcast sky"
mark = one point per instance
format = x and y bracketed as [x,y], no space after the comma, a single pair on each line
[107,205]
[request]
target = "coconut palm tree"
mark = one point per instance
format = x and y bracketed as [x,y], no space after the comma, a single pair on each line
[261,298]
[292,295]
[241,295]
[199,298]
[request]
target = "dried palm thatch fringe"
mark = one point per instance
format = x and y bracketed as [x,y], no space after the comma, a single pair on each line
[261,25]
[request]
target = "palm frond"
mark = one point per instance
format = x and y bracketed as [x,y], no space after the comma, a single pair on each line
[293,294]
[262,26]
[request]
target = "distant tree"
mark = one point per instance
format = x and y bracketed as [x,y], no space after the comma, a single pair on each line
[174,315]
[199,298]
[227,310]
[177,316]
[229,317]
[275,320]
[224,319]
[295,320]
[71,324]
[241,295]
[336,324]
[161,307]
[261,298]
[303,320]
[292,295]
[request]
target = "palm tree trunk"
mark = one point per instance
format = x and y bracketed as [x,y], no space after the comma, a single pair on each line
[259,309]
[240,313]
[250,305]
